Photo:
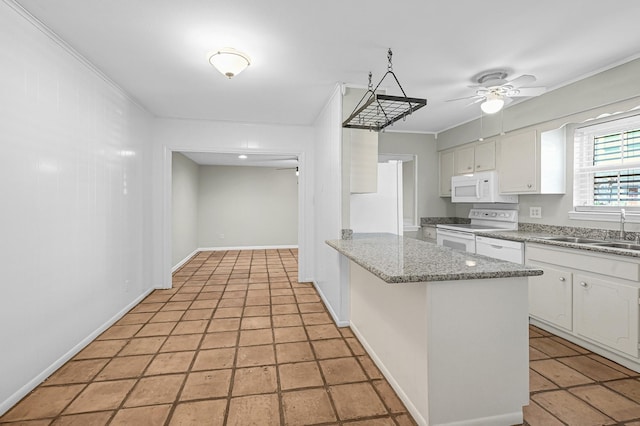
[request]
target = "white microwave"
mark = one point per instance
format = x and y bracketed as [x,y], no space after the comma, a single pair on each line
[481,187]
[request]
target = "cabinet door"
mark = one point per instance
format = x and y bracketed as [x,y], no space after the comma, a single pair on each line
[485,156]
[464,160]
[518,161]
[550,296]
[607,312]
[364,161]
[446,172]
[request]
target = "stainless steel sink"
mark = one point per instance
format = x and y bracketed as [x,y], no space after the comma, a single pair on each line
[626,246]
[576,240]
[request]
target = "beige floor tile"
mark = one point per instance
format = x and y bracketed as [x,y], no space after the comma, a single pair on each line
[356,400]
[260,410]
[147,307]
[222,339]
[534,415]
[251,356]
[389,397]
[101,349]
[120,332]
[628,387]
[155,390]
[43,402]
[592,368]
[252,323]
[198,314]
[176,306]
[223,324]
[169,316]
[311,307]
[184,342]
[316,318]
[171,362]
[142,346]
[304,407]
[538,383]
[133,318]
[323,331]
[254,380]
[286,320]
[210,413]
[355,346]
[85,419]
[370,367]
[612,404]
[190,327]
[234,312]
[81,371]
[256,337]
[204,304]
[231,303]
[101,396]
[156,329]
[552,348]
[570,409]
[299,375]
[125,367]
[141,416]
[613,365]
[206,384]
[385,421]
[342,370]
[294,352]
[535,354]
[559,373]
[288,308]
[289,334]
[331,348]
[573,346]
[214,359]
[257,311]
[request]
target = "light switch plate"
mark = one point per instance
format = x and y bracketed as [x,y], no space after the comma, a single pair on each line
[535,212]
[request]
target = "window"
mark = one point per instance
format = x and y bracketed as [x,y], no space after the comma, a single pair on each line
[607,165]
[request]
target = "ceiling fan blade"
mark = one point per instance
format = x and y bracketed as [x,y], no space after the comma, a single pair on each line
[461,99]
[523,80]
[530,91]
[480,99]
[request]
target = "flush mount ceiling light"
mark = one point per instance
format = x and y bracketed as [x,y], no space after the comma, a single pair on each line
[229,62]
[492,104]
[242,157]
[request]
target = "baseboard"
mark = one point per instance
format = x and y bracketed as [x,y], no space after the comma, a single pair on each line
[385,372]
[7,404]
[185,260]
[335,317]
[277,247]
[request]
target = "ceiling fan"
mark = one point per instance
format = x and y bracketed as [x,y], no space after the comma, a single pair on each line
[494,90]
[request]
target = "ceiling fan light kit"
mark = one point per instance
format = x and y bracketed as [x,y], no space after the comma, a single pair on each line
[229,62]
[493,104]
[377,111]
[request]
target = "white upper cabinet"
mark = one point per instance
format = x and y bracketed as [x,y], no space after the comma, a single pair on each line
[531,162]
[476,157]
[464,160]
[446,161]
[364,161]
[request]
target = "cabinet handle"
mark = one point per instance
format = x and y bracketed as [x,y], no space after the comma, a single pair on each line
[563,279]
[583,284]
[478,166]
[529,185]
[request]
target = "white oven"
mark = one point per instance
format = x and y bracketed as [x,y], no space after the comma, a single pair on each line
[462,236]
[459,240]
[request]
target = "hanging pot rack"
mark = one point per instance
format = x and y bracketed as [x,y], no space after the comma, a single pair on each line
[378,111]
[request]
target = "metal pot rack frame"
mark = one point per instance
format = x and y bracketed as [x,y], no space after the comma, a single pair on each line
[379,111]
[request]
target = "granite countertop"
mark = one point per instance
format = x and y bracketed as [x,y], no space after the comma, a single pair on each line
[395,259]
[542,238]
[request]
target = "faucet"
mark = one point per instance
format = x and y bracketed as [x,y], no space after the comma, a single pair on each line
[623,217]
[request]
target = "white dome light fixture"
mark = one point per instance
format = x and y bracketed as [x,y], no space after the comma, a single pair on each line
[229,62]
[493,103]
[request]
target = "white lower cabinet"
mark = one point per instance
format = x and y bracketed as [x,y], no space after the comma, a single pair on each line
[607,312]
[550,296]
[588,297]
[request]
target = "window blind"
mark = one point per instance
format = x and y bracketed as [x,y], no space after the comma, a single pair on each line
[607,164]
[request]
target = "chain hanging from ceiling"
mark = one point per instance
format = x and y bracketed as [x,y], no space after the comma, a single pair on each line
[376,111]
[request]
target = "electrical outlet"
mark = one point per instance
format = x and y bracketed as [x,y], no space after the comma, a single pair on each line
[535,212]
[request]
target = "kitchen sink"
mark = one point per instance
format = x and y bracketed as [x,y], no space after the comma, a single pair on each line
[576,240]
[626,246]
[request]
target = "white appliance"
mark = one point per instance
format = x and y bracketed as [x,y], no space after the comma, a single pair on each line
[481,187]
[463,237]
[380,211]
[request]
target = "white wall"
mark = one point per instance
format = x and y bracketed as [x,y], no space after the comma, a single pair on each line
[211,136]
[247,207]
[184,208]
[331,269]
[73,178]
[613,90]
[425,147]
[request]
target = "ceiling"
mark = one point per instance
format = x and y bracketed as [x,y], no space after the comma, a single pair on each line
[157,50]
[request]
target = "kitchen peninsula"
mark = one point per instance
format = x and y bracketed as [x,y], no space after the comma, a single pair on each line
[448,329]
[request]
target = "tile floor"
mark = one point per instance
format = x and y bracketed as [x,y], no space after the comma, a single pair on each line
[238,341]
